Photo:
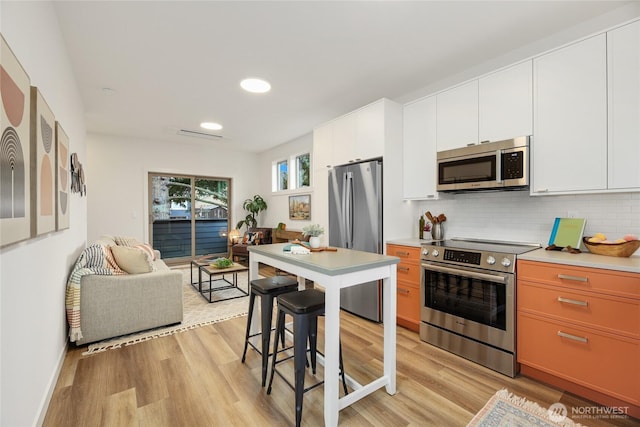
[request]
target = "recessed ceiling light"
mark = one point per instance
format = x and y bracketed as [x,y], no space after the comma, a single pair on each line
[211,126]
[255,85]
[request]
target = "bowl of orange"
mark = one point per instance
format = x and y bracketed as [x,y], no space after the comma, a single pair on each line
[621,248]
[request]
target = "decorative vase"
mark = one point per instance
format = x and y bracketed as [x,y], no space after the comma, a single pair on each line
[314,241]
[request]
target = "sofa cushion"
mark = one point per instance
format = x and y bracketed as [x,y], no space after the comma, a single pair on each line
[132,260]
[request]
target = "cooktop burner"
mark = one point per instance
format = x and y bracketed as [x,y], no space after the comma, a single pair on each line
[515,248]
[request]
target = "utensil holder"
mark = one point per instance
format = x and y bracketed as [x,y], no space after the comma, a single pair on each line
[437,231]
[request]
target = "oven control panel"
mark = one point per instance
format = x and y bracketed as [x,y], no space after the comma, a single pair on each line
[495,261]
[463,257]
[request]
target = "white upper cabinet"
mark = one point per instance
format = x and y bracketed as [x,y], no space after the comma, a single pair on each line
[506,103]
[569,148]
[370,132]
[322,146]
[623,54]
[344,139]
[457,116]
[419,150]
[357,136]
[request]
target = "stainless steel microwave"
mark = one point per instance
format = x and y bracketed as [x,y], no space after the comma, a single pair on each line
[499,165]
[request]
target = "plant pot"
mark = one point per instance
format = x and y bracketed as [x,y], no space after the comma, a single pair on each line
[314,241]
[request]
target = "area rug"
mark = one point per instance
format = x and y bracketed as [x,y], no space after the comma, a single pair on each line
[505,409]
[197,312]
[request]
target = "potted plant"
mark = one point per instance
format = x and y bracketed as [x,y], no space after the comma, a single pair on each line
[314,231]
[253,207]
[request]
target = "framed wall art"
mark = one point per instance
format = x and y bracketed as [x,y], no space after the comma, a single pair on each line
[63,177]
[300,207]
[43,178]
[15,149]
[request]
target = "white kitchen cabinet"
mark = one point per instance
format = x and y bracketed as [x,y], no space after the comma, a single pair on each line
[623,55]
[370,131]
[457,116]
[357,136]
[344,139]
[419,150]
[505,103]
[569,148]
[322,147]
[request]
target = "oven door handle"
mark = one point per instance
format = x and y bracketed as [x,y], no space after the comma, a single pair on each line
[465,273]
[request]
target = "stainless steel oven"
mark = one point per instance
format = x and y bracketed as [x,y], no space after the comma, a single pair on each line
[468,300]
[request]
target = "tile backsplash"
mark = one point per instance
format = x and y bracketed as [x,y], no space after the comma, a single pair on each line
[516,216]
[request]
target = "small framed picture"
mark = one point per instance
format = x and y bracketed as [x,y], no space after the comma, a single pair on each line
[300,207]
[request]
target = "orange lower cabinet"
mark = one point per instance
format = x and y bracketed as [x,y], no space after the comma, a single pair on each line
[577,334]
[408,286]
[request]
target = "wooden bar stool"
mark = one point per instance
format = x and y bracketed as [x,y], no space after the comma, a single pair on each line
[267,289]
[304,307]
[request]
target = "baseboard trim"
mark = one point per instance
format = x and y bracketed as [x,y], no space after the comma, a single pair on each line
[53,381]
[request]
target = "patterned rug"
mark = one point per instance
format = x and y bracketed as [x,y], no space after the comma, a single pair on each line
[505,409]
[197,312]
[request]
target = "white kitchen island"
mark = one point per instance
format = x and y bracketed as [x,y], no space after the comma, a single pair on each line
[334,271]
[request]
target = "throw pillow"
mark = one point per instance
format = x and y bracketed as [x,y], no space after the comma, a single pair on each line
[111,261]
[126,241]
[252,238]
[148,249]
[132,260]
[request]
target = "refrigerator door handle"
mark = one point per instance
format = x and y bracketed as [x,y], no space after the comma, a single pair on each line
[348,209]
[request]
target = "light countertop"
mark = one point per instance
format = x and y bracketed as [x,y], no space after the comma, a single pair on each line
[585,259]
[409,241]
[342,261]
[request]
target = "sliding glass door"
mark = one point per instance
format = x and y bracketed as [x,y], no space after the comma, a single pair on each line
[188,215]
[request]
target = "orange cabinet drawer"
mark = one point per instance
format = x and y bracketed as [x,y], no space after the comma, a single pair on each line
[581,278]
[408,297]
[608,313]
[405,253]
[599,361]
[409,272]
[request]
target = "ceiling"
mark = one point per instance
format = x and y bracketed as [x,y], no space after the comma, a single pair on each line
[175,64]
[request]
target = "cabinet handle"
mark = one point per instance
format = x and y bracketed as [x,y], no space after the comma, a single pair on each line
[573,301]
[402,268]
[403,291]
[574,278]
[541,190]
[402,253]
[572,337]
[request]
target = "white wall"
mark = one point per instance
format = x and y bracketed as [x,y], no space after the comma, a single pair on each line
[33,273]
[117,178]
[278,202]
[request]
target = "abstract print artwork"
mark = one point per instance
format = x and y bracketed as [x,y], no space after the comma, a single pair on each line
[62,178]
[15,149]
[43,179]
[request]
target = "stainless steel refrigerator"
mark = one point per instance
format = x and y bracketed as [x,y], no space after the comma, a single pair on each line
[355,222]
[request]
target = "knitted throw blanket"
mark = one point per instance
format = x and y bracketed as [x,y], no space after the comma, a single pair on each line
[95,259]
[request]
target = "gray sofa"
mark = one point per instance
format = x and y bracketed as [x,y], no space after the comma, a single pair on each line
[117,305]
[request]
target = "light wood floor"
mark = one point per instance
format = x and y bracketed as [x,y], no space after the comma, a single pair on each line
[196,378]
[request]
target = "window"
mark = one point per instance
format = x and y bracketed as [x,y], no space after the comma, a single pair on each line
[283,176]
[188,215]
[292,173]
[302,170]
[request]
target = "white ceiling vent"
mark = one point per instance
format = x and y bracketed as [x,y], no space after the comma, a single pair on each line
[198,134]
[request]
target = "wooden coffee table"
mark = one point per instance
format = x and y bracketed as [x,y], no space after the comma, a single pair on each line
[222,284]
